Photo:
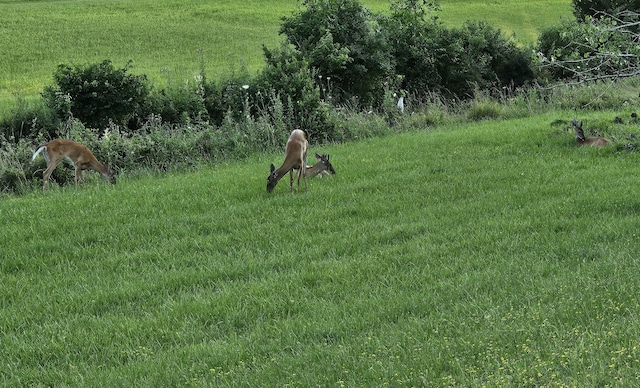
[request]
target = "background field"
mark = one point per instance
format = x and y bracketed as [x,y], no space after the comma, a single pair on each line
[494,254]
[170,41]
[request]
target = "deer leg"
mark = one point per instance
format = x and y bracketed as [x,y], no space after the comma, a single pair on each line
[291,180]
[47,173]
[79,176]
[299,175]
[303,172]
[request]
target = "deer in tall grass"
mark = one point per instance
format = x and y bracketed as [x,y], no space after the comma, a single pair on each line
[295,158]
[593,141]
[322,167]
[74,153]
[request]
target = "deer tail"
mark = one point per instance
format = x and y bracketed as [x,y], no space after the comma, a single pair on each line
[35,154]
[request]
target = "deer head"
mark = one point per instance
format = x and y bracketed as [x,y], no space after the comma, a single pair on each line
[594,141]
[324,159]
[272,179]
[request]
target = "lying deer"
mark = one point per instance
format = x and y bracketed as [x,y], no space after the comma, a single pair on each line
[295,158]
[77,154]
[594,141]
[322,167]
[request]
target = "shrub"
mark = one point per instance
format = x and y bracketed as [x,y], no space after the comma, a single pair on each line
[412,40]
[477,56]
[97,93]
[342,40]
[180,103]
[288,83]
[227,95]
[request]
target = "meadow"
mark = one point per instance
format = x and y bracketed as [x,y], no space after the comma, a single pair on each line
[172,41]
[489,253]
[495,253]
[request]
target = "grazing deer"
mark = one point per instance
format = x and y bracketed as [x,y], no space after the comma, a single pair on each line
[594,141]
[295,158]
[322,167]
[75,153]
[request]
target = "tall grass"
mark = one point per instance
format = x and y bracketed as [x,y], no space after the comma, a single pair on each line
[491,253]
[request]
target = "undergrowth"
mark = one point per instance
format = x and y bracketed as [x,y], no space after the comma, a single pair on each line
[159,147]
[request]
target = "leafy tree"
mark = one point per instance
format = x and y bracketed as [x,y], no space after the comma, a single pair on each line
[342,40]
[477,56]
[453,62]
[412,37]
[596,49]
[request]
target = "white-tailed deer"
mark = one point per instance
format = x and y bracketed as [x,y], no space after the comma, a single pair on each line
[322,167]
[295,158]
[594,141]
[77,154]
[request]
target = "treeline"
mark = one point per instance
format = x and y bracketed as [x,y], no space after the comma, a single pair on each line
[337,56]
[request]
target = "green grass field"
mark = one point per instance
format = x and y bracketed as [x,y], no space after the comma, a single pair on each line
[484,254]
[170,40]
[494,253]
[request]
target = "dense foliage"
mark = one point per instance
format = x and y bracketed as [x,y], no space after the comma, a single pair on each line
[359,54]
[452,62]
[97,93]
[585,8]
[345,43]
[593,49]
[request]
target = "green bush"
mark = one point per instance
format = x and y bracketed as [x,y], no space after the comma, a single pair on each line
[412,38]
[287,82]
[477,56]
[97,94]
[179,103]
[227,95]
[346,44]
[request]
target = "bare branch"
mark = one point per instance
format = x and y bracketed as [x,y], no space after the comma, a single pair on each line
[607,48]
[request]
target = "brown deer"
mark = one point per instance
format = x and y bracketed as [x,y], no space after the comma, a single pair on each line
[295,158]
[594,141]
[322,167]
[77,154]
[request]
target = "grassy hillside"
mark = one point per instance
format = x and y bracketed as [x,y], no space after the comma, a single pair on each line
[494,254]
[170,40]
[523,19]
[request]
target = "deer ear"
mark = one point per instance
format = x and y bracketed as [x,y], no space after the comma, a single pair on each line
[272,168]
